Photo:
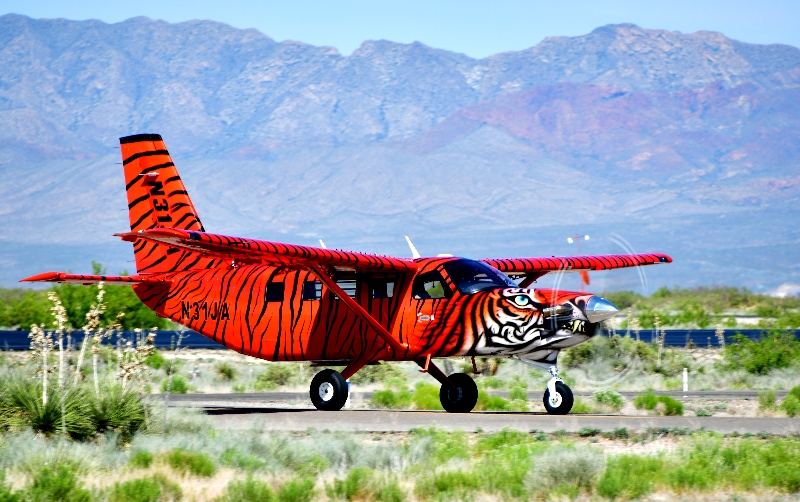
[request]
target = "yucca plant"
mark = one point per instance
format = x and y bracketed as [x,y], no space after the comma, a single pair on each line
[23,406]
[117,409]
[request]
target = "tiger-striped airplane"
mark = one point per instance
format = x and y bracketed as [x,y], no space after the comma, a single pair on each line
[283,302]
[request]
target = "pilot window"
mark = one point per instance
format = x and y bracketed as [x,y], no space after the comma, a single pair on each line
[312,290]
[274,292]
[472,276]
[348,286]
[429,285]
[381,289]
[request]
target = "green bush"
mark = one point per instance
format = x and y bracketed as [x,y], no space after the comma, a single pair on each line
[490,403]
[767,399]
[610,399]
[426,397]
[190,462]
[297,490]
[630,476]
[565,470]
[586,432]
[391,399]
[156,360]
[178,385]
[226,371]
[22,407]
[664,405]
[356,485]
[251,490]
[581,407]
[153,489]
[57,482]
[772,351]
[379,373]
[277,375]
[791,404]
[141,459]
[447,485]
[119,410]
[518,394]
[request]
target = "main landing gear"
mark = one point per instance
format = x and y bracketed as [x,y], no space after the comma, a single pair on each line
[558,399]
[328,390]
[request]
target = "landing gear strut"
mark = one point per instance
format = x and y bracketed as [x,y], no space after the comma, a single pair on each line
[328,390]
[558,399]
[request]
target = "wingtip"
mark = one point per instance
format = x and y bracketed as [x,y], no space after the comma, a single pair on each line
[43,277]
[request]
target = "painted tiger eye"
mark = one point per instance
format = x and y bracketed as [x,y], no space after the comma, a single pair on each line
[521,300]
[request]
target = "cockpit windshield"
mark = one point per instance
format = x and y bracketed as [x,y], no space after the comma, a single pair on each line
[472,276]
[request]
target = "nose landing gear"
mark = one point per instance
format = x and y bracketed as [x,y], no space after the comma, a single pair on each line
[558,399]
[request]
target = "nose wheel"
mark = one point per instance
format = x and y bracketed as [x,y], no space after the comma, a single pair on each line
[328,390]
[558,399]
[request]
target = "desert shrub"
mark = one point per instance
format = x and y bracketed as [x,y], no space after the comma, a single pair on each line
[447,485]
[356,485]
[57,482]
[610,399]
[297,490]
[23,407]
[277,375]
[581,407]
[391,399]
[118,410]
[156,488]
[566,470]
[490,403]
[6,494]
[177,385]
[767,399]
[772,351]
[379,373]
[251,490]
[518,394]
[141,459]
[190,462]
[586,432]
[630,476]
[613,349]
[664,405]
[791,404]
[156,360]
[426,397]
[226,371]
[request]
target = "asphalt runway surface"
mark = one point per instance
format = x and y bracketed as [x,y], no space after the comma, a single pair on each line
[273,412]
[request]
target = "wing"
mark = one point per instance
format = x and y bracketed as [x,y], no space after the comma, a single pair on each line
[254,251]
[87,280]
[537,267]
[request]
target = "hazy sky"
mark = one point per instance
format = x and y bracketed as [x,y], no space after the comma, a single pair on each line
[475,28]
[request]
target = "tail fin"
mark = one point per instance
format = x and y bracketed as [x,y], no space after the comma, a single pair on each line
[157,198]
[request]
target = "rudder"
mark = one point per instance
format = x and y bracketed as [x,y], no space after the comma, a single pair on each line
[157,198]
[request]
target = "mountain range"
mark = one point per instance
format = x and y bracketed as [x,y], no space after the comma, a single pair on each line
[647,140]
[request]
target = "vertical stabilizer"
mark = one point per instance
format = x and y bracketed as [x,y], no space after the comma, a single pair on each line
[157,198]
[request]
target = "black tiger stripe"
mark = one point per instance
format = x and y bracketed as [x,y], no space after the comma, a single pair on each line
[139,155]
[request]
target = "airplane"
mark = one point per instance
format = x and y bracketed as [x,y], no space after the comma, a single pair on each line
[284,302]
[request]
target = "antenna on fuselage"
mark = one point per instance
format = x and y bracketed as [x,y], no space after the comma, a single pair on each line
[322,244]
[414,252]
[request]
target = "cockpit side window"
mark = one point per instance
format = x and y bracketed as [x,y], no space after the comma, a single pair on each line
[429,285]
[472,276]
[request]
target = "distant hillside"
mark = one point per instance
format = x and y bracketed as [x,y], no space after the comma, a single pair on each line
[681,143]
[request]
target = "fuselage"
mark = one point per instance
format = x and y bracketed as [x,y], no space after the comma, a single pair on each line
[449,307]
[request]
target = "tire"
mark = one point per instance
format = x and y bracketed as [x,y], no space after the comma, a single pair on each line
[567,400]
[461,398]
[328,390]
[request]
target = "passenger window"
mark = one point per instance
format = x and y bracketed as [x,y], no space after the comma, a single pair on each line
[348,286]
[312,290]
[274,292]
[429,285]
[381,289]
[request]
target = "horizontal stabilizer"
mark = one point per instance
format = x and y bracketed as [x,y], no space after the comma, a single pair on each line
[88,280]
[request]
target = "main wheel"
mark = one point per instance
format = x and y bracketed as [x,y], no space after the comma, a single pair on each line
[461,398]
[328,390]
[561,402]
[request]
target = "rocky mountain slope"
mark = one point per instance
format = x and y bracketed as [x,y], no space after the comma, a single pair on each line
[682,143]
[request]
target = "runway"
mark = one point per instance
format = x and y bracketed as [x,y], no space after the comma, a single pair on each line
[301,419]
[291,411]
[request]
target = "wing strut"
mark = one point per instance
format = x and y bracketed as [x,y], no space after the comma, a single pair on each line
[358,310]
